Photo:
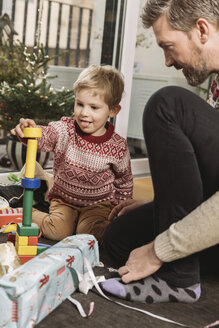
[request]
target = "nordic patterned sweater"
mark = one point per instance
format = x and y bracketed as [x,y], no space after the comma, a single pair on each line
[87,169]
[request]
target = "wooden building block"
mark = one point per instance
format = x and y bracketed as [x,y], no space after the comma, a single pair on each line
[28,205]
[41,249]
[33,230]
[32,132]
[25,258]
[21,240]
[32,241]
[11,237]
[26,250]
[31,158]
[10,228]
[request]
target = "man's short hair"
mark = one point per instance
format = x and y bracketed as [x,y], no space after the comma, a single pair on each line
[182,14]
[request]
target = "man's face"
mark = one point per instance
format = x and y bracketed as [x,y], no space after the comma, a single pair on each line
[182,51]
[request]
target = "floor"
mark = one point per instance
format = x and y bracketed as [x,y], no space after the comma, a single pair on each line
[143,188]
[108,314]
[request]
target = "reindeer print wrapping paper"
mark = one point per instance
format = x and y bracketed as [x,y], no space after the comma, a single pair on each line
[35,289]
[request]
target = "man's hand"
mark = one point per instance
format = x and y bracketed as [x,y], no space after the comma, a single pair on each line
[24,123]
[142,263]
[125,206]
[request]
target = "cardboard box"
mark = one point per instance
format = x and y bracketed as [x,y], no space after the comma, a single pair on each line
[35,289]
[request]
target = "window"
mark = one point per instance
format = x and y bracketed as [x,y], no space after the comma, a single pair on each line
[147,74]
[85,31]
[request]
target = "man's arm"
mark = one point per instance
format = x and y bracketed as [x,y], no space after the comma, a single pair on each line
[197,231]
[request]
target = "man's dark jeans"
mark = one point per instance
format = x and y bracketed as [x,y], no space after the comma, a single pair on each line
[181,132]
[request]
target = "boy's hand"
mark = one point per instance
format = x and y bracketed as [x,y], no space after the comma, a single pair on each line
[24,123]
[125,206]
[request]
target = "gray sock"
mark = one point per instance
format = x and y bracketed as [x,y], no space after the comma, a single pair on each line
[151,290]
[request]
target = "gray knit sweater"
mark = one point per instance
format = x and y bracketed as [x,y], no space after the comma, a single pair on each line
[197,231]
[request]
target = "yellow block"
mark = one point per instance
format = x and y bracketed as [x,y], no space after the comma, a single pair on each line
[31,158]
[21,240]
[32,132]
[26,250]
[11,227]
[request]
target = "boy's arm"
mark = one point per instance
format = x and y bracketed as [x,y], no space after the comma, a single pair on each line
[49,136]
[123,178]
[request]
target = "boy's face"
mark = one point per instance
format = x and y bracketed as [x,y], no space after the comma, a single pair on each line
[91,112]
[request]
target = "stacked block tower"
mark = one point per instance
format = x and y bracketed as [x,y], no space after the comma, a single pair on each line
[26,239]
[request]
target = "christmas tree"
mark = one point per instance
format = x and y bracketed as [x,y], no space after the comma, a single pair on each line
[25,88]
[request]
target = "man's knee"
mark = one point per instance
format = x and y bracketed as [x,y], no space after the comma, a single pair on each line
[163,100]
[166,106]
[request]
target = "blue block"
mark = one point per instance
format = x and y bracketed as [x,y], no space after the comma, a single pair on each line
[30,183]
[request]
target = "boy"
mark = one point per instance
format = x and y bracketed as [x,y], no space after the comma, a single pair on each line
[91,165]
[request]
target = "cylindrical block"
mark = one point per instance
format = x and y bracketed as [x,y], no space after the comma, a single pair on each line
[32,132]
[31,158]
[30,183]
[27,207]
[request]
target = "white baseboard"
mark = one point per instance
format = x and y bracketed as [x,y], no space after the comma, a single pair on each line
[140,166]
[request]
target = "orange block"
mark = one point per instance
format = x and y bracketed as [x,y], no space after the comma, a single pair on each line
[25,258]
[32,241]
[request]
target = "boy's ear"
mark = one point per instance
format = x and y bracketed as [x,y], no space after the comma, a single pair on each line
[114,111]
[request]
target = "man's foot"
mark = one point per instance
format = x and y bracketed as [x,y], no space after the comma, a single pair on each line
[151,290]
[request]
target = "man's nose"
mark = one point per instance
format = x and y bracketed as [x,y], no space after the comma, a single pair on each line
[168,60]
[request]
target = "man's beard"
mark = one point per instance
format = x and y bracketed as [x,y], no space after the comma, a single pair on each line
[195,76]
[198,74]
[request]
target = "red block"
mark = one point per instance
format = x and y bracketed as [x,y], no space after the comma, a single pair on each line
[25,258]
[32,241]
[11,237]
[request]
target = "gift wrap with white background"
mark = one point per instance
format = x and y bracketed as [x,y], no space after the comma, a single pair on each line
[35,289]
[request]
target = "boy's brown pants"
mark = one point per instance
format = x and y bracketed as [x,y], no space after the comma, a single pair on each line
[64,219]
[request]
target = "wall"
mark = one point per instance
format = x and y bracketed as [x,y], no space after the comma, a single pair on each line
[149,58]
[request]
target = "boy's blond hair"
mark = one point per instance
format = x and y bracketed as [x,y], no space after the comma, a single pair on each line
[104,80]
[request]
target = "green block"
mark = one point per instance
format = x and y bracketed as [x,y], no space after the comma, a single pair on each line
[32,230]
[41,249]
[27,207]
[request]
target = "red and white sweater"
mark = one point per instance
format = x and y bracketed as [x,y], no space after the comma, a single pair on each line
[87,169]
[214,93]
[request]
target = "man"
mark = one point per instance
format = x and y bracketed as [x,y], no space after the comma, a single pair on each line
[182,135]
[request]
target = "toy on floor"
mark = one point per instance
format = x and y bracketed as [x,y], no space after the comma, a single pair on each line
[26,238]
[9,215]
[9,228]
